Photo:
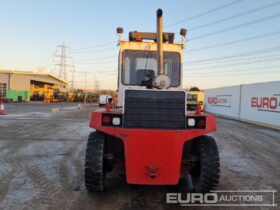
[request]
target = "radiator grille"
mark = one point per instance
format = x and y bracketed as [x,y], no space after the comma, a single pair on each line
[154,109]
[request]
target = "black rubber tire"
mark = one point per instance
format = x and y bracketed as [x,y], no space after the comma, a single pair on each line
[206,173]
[94,163]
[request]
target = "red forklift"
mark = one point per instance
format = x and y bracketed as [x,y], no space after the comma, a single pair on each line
[149,136]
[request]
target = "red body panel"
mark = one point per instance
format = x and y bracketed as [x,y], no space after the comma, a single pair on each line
[152,151]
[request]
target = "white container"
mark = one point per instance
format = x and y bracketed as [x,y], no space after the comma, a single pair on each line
[223,101]
[260,103]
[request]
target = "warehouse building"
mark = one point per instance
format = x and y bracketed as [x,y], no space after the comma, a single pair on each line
[24,86]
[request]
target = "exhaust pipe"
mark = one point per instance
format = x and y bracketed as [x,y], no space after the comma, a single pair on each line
[162,81]
[159,42]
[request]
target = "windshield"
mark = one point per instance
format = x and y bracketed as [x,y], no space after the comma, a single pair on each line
[139,66]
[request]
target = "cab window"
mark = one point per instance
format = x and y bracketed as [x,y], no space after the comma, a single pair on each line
[140,66]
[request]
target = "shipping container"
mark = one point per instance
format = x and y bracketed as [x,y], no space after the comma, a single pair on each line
[260,103]
[257,103]
[223,101]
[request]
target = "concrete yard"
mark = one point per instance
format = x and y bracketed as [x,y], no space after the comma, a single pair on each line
[42,157]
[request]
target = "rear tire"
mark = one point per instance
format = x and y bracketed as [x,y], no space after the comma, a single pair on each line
[94,163]
[206,171]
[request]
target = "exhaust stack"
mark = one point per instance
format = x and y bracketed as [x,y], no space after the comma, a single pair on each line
[159,42]
[162,81]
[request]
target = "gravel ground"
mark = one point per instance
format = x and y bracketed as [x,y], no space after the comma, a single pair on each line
[42,157]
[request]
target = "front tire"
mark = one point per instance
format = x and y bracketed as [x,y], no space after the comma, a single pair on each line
[94,163]
[205,173]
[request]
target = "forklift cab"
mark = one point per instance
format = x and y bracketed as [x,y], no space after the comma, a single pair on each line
[138,63]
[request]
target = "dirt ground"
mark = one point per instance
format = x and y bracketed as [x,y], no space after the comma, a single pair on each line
[42,157]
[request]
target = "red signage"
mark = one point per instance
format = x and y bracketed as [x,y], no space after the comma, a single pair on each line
[265,102]
[220,100]
[212,100]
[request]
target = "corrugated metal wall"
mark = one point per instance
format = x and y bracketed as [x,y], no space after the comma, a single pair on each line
[258,103]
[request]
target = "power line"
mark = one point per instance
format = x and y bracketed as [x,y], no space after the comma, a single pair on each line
[255,52]
[94,46]
[206,12]
[227,71]
[236,26]
[108,71]
[108,67]
[97,72]
[237,59]
[96,50]
[235,16]
[252,74]
[96,59]
[115,80]
[172,13]
[218,45]
[103,68]
[236,41]
[101,62]
[262,51]
[112,73]
[235,64]
[47,59]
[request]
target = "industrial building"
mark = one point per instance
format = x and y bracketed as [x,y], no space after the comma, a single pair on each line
[24,86]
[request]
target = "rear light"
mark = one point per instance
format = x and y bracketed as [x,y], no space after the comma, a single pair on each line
[106,120]
[196,122]
[201,123]
[114,120]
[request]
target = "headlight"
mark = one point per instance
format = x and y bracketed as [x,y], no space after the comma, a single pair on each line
[191,122]
[116,121]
